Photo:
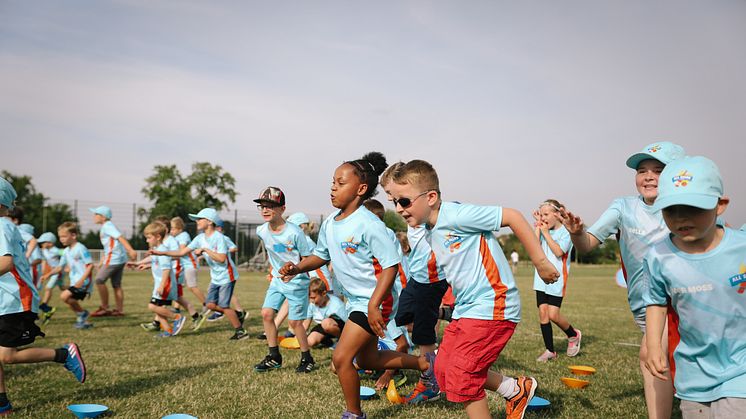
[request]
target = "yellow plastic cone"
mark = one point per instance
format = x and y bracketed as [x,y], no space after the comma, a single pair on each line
[393,395]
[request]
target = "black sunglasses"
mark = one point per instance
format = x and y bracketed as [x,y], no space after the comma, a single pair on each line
[406,202]
[263,206]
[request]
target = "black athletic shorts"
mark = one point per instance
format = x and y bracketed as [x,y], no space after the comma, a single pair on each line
[361,319]
[160,303]
[18,329]
[544,298]
[419,304]
[78,293]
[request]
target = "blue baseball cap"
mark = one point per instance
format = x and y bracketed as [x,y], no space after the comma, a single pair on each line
[47,238]
[27,228]
[219,223]
[102,210]
[206,213]
[693,181]
[7,194]
[664,151]
[298,218]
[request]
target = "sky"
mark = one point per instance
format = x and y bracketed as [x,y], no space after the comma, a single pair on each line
[512,102]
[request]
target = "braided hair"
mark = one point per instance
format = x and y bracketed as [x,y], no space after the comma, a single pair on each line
[368,169]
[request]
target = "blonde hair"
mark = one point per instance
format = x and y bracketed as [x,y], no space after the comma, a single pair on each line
[419,174]
[552,203]
[403,241]
[156,228]
[178,223]
[317,285]
[388,174]
[69,226]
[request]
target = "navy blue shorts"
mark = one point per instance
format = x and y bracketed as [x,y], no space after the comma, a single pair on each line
[419,304]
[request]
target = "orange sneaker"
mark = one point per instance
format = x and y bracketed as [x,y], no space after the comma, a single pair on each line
[515,407]
[418,388]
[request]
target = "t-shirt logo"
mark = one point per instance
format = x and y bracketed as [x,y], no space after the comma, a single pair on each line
[739,280]
[654,149]
[453,242]
[350,246]
[682,179]
[286,247]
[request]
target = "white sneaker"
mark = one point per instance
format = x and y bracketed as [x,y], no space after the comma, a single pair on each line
[573,344]
[546,356]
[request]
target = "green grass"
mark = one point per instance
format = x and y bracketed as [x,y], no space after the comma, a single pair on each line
[208,376]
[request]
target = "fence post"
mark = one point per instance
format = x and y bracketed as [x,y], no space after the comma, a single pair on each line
[134,214]
[76,211]
[44,218]
[235,232]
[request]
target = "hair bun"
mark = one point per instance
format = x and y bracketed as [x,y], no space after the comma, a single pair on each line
[377,161]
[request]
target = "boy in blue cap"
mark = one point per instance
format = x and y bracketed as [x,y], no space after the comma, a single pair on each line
[637,225]
[19,306]
[112,262]
[699,271]
[223,273]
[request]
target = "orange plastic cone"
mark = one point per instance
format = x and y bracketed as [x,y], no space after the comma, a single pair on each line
[393,395]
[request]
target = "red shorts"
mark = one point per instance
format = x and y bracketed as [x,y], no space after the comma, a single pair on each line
[468,349]
[180,290]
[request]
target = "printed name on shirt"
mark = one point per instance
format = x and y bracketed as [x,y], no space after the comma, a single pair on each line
[453,242]
[283,247]
[638,231]
[692,289]
[350,246]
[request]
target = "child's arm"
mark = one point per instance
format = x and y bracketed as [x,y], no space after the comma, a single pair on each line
[217,257]
[164,280]
[31,246]
[310,263]
[173,253]
[383,287]
[553,245]
[655,317]
[306,323]
[6,264]
[581,239]
[86,274]
[54,271]
[130,251]
[513,219]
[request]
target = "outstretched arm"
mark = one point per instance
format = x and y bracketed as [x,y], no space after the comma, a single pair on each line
[513,219]
[581,239]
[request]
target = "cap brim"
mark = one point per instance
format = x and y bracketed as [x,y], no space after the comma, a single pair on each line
[93,210]
[267,201]
[194,217]
[634,160]
[702,201]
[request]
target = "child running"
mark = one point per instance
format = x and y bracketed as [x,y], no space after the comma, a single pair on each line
[699,273]
[637,225]
[285,243]
[165,285]
[556,244]
[487,303]
[365,263]
[19,305]
[51,259]
[189,261]
[76,257]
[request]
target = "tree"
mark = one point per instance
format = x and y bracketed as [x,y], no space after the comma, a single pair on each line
[36,210]
[173,194]
[394,221]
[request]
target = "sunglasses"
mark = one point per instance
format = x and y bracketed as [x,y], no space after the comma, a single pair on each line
[263,206]
[407,202]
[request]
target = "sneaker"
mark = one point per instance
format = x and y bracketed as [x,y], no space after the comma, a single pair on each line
[82,325]
[241,316]
[546,356]
[178,324]
[399,379]
[268,363]
[240,334]
[74,362]
[289,334]
[427,378]
[305,366]
[164,334]
[418,388]
[82,317]
[263,336]
[196,324]
[573,344]
[515,407]
[150,326]
[348,415]
[215,316]
[47,315]
[101,312]
[6,410]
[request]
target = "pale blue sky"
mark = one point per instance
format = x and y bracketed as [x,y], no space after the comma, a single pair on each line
[513,102]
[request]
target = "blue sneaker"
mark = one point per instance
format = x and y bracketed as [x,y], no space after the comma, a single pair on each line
[178,324]
[82,317]
[6,410]
[83,325]
[215,316]
[431,390]
[349,415]
[163,334]
[74,362]
[289,334]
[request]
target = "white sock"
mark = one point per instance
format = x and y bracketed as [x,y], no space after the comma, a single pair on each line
[508,387]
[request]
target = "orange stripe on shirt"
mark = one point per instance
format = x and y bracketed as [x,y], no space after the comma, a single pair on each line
[387,306]
[565,273]
[402,276]
[166,289]
[27,296]
[322,277]
[194,261]
[493,275]
[230,271]
[673,338]
[432,268]
[111,251]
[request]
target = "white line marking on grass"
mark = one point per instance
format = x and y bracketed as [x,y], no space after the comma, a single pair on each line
[628,344]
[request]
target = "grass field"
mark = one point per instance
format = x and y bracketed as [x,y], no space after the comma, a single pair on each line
[206,375]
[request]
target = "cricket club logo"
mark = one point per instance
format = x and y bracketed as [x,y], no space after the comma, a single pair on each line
[453,242]
[682,179]
[286,247]
[739,280]
[350,246]
[654,149]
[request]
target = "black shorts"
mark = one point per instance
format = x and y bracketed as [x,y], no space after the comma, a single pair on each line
[328,339]
[78,293]
[419,304]
[361,319]
[18,329]
[544,298]
[160,303]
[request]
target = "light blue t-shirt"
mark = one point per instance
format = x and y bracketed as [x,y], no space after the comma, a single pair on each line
[423,267]
[220,273]
[323,272]
[562,237]
[473,261]
[172,245]
[289,245]
[335,307]
[707,291]
[189,261]
[17,291]
[158,265]
[359,248]
[639,226]
[77,257]
[114,253]
[52,256]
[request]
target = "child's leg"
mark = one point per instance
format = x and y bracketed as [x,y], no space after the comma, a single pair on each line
[186,304]
[658,393]
[282,314]
[198,293]
[25,356]
[119,298]
[546,327]
[162,312]
[354,338]
[191,282]
[268,320]
[300,333]
[232,317]
[402,347]
[236,304]
[67,297]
